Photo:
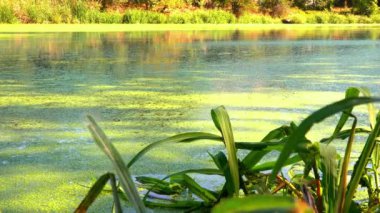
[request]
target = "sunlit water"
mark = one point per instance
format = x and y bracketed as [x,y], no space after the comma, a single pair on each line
[144,86]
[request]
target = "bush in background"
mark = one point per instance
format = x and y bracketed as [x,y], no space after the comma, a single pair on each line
[257,19]
[364,7]
[7,14]
[143,17]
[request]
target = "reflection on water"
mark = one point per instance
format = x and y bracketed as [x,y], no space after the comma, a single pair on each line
[143,86]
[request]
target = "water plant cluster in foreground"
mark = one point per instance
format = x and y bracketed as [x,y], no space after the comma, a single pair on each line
[251,183]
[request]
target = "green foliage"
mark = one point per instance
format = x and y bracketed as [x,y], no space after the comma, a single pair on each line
[375,18]
[39,14]
[122,171]
[143,17]
[297,18]
[326,194]
[248,18]
[79,11]
[7,14]
[314,4]
[364,7]
[260,203]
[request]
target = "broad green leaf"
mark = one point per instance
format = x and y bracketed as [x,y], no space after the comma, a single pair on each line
[198,190]
[174,204]
[371,107]
[306,125]
[329,176]
[345,134]
[223,124]
[351,92]
[157,185]
[184,137]
[279,135]
[125,177]
[94,192]
[361,164]
[342,187]
[269,165]
[221,162]
[189,171]
[261,203]
[258,146]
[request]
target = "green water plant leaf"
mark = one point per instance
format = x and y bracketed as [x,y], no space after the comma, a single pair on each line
[95,191]
[329,166]
[260,203]
[222,122]
[361,164]
[351,92]
[125,177]
[316,117]
[184,137]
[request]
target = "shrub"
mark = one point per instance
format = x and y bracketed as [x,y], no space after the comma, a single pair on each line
[337,19]
[276,8]
[143,17]
[297,18]
[352,19]
[218,17]
[314,4]
[179,18]
[7,14]
[364,7]
[322,18]
[79,11]
[375,18]
[39,14]
[364,20]
[257,19]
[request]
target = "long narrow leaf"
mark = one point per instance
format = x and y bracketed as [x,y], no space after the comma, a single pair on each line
[189,171]
[198,190]
[94,192]
[221,162]
[269,165]
[329,176]
[261,203]
[361,164]
[125,177]
[344,171]
[184,137]
[306,125]
[371,107]
[351,92]
[223,124]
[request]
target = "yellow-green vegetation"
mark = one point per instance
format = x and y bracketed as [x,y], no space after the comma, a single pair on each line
[323,186]
[184,12]
[50,81]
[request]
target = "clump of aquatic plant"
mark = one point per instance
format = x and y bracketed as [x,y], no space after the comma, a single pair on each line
[250,184]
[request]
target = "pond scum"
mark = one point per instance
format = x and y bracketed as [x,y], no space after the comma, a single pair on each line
[252,184]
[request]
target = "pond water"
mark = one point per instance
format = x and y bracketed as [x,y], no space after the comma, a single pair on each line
[144,86]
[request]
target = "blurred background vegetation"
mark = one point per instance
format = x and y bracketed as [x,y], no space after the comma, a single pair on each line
[190,11]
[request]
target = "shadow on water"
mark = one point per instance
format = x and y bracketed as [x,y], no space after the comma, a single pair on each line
[144,86]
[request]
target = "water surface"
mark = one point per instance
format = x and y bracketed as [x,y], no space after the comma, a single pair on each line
[144,86]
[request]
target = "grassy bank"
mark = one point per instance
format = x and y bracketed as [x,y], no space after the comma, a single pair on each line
[21,28]
[88,12]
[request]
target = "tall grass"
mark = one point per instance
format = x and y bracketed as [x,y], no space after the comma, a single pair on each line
[81,11]
[327,190]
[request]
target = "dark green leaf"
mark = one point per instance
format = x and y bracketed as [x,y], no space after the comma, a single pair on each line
[223,124]
[125,177]
[257,203]
[184,137]
[361,164]
[306,125]
[94,192]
